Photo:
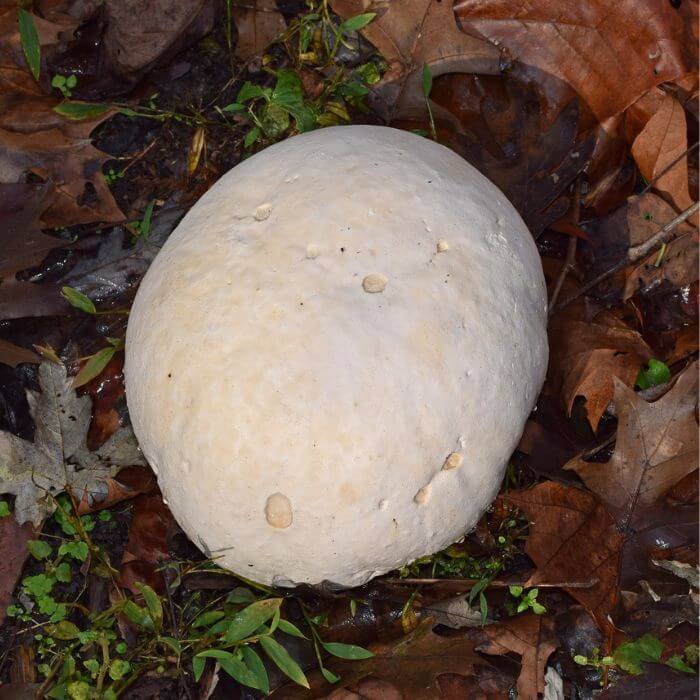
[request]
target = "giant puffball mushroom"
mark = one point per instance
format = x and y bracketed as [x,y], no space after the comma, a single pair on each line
[332,358]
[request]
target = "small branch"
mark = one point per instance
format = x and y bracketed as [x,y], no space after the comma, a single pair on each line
[663,235]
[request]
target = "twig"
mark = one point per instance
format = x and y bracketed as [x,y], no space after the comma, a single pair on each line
[633,254]
[658,176]
[137,156]
[570,258]
[469,583]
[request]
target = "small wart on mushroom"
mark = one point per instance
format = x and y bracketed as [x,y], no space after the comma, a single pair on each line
[453,461]
[374,284]
[278,511]
[443,246]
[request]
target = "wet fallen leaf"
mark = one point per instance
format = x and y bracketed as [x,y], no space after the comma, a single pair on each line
[656,447]
[611,54]
[503,133]
[662,141]
[58,458]
[586,357]
[13,545]
[573,538]
[533,638]
[658,681]
[413,34]
[14,355]
[259,23]
[147,548]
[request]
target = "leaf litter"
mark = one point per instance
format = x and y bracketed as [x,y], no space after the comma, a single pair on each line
[583,116]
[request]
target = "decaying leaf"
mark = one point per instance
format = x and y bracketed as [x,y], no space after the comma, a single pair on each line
[656,447]
[610,53]
[530,636]
[573,538]
[259,23]
[13,355]
[586,357]
[413,34]
[58,458]
[661,142]
[13,545]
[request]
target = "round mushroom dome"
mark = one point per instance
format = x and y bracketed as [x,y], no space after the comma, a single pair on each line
[333,356]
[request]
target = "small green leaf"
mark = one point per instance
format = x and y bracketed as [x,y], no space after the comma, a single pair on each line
[4,509]
[138,615]
[71,80]
[78,550]
[288,628]
[208,618]
[280,656]
[217,654]
[329,675]
[92,665]
[656,373]
[77,690]
[581,660]
[63,572]
[78,300]
[523,605]
[532,594]
[38,585]
[629,656]
[155,607]
[198,664]
[145,223]
[538,608]
[63,630]
[246,621]
[257,668]
[234,107]
[239,672]
[76,110]
[59,613]
[118,669]
[346,651]
[515,591]
[676,662]
[39,549]
[483,608]
[30,41]
[251,137]
[249,92]
[94,366]
[354,24]
[427,80]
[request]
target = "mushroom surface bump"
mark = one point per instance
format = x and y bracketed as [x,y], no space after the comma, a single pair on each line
[333,356]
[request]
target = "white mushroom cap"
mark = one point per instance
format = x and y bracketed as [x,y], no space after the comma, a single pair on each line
[323,395]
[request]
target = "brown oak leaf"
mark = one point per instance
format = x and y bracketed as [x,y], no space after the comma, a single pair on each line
[656,447]
[409,35]
[573,539]
[259,23]
[661,142]
[586,357]
[530,636]
[610,53]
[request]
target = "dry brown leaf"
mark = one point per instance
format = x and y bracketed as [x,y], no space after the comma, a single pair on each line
[586,357]
[610,53]
[13,545]
[141,32]
[23,245]
[259,23]
[662,140]
[35,139]
[409,35]
[573,538]
[656,447]
[530,636]
[13,355]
